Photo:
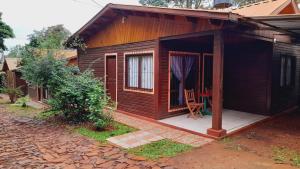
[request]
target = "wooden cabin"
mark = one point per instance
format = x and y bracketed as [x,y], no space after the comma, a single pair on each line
[13,76]
[147,56]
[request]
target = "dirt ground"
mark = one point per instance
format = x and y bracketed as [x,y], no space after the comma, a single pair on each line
[264,147]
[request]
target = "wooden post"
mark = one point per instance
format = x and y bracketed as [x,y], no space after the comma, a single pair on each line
[217,91]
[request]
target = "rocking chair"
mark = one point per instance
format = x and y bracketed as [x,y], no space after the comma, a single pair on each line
[193,106]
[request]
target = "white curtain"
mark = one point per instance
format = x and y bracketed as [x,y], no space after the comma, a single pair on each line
[189,62]
[133,71]
[147,72]
[177,69]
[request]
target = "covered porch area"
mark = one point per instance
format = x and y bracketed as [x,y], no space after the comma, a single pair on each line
[229,74]
[232,121]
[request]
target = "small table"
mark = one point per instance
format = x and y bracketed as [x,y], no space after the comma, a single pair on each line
[205,97]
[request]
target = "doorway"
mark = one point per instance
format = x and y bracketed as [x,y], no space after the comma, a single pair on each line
[111,76]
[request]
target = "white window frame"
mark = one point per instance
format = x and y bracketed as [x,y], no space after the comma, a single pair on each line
[126,54]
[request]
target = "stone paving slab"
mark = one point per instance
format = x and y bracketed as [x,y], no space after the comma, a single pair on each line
[159,130]
[28,143]
[134,139]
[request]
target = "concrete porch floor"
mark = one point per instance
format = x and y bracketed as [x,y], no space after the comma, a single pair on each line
[232,121]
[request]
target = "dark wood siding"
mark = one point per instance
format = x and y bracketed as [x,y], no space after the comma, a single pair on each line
[283,98]
[247,76]
[128,101]
[21,83]
[33,93]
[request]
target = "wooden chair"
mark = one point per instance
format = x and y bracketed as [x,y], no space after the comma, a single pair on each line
[193,106]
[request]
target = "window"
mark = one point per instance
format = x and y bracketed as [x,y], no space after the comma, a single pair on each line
[287,71]
[139,71]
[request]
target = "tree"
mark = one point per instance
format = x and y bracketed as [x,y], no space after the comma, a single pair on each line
[42,69]
[162,3]
[78,97]
[52,37]
[195,4]
[5,32]
[16,51]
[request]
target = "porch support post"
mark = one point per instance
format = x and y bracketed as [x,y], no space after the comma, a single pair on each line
[217,90]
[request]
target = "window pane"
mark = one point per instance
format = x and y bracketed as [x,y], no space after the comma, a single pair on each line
[133,71]
[147,72]
[282,73]
[288,71]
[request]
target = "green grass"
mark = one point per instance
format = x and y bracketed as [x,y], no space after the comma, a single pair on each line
[160,149]
[19,110]
[103,135]
[227,140]
[283,155]
[22,111]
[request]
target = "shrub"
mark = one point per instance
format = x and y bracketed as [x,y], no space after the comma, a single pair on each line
[82,98]
[78,97]
[13,93]
[22,101]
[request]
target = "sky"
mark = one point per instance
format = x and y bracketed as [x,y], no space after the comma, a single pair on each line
[24,16]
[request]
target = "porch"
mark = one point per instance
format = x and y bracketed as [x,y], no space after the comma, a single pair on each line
[231,72]
[232,121]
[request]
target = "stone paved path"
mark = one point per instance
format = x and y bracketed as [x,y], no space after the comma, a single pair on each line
[157,130]
[134,139]
[27,143]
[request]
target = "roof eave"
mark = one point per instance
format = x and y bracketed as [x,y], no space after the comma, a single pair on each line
[167,11]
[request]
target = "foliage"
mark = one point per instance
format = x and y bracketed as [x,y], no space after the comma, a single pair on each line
[118,129]
[195,4]
[244,2]
[23,111]
[49,38]
[2,80]
[162,3]
[81,98]
[44,70]
[15,52]
[75,42]
[13,93]
[285,155]
[78,97]
[5,32]
[159,149]
[45,115]
[296,160]
[22,101]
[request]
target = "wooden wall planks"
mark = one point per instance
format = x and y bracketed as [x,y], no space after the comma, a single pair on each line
[138,28]
[133,102]
[284,98]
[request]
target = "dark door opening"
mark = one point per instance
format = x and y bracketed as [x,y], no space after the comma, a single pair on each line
[111,71]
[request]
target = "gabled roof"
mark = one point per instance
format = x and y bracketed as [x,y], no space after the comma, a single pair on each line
[12,63]
[265,8]
[112,10]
